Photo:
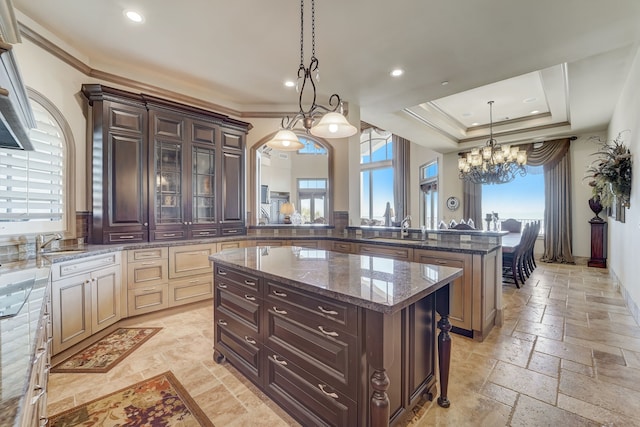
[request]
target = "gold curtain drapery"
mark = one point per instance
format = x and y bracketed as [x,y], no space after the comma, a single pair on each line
[558,236]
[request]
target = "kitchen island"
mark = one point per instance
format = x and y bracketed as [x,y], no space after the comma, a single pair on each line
[333,338]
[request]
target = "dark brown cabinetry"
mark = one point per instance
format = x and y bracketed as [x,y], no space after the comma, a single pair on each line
[163,170]
[598,243]
[313,355]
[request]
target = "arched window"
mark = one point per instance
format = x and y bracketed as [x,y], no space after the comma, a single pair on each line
[36,187]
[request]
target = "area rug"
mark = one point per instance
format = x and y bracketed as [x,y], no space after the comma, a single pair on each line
[108,352]
[160,401]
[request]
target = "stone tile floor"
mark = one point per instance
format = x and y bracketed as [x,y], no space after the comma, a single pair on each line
[567,354]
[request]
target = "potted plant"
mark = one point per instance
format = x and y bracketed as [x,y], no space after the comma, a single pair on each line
[610,174]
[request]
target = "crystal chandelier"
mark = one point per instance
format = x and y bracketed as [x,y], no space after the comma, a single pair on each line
[494,163]
[332,123]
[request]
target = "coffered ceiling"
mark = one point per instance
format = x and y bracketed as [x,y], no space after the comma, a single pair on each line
[565,59]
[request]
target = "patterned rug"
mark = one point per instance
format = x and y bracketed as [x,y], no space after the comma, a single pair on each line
[160,401]
[108,352]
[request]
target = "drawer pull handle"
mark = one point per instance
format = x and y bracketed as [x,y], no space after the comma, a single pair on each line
[231,231]
[328,333]
[194,281]
[279,293]
[222,286]
[279,311]
[322,386]
[222,322]
[44,421]
[250,340]
[222,273]
[126,237]
[250,297]
[325,311]
[149,290]
[41,391]
[278,361]
[41,351]
[441,262]
[249,282]
[169,234]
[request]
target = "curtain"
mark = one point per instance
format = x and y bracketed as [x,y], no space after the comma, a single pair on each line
[472,203]
[558,238]
[401,176]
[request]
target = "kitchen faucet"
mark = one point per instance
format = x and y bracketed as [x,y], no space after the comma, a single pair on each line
[404,226]
[41,244]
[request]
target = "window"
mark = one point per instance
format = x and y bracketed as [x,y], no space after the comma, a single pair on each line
[312,194]
[521,199]
[34,185]
[376,175]
[429,194]
[310,147]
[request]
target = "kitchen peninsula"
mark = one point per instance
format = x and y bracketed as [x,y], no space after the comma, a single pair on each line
[334,338]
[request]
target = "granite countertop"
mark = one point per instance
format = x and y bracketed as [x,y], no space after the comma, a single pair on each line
[18,339]
[375,283]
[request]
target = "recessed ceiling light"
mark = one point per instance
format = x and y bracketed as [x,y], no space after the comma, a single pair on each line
[397,72]
[535,112]
[134,16]
[475,124]
[289,83]
[444,83]
[529,100]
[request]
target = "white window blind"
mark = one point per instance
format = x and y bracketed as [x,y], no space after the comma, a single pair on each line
[32,182]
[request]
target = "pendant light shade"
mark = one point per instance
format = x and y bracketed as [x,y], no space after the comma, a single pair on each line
[333,125]
[285,140]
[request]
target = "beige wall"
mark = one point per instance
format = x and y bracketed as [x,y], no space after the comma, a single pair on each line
[624,237]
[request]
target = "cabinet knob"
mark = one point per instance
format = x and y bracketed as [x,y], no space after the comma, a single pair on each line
[146,224]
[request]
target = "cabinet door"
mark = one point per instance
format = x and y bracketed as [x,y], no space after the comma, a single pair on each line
[461,297]
[232,187]
[105,298]
[168,197]
[190,290]
[119,203]
[71,311]
[203,191]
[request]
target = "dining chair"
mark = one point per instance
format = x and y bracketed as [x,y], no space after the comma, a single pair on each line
[529,261]
[512,257]
[511,225]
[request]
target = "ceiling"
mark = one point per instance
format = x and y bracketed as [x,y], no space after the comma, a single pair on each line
[566,59]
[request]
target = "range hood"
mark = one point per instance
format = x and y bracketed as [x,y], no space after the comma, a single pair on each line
[16,117]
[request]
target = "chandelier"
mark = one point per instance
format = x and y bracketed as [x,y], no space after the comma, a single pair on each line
[494,163]
[332,123]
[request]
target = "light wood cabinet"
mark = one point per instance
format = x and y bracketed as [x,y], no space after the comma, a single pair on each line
[400,253]
[190,260]
[148,299]
[461,295]
[86,298]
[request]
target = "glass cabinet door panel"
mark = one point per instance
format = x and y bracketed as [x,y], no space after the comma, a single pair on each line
[203,165]
[168,204]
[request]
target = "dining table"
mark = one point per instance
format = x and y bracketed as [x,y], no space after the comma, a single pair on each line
[510,241]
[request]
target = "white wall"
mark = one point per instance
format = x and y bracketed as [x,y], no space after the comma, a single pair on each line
[624,237]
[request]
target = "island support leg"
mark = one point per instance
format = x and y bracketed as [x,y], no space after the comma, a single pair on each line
[380,344]
[444,344]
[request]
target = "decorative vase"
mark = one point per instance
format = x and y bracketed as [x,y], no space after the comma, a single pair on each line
[596,208]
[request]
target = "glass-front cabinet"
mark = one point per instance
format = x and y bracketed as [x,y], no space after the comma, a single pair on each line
[185,204]
[163,170]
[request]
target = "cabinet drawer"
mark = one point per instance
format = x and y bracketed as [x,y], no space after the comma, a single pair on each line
[137,255]
[190,260]
[243,351]
[245,308]
[271,243]
[312,244]
[84,265]
[308,399]
[331,313]
[229,245]
[148,299]
[330,356]
[209,232]
[344,247]
[387,252]
[147,273]
[169,235]
[231,278]
[135,236]
[190,290]
[231,231]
